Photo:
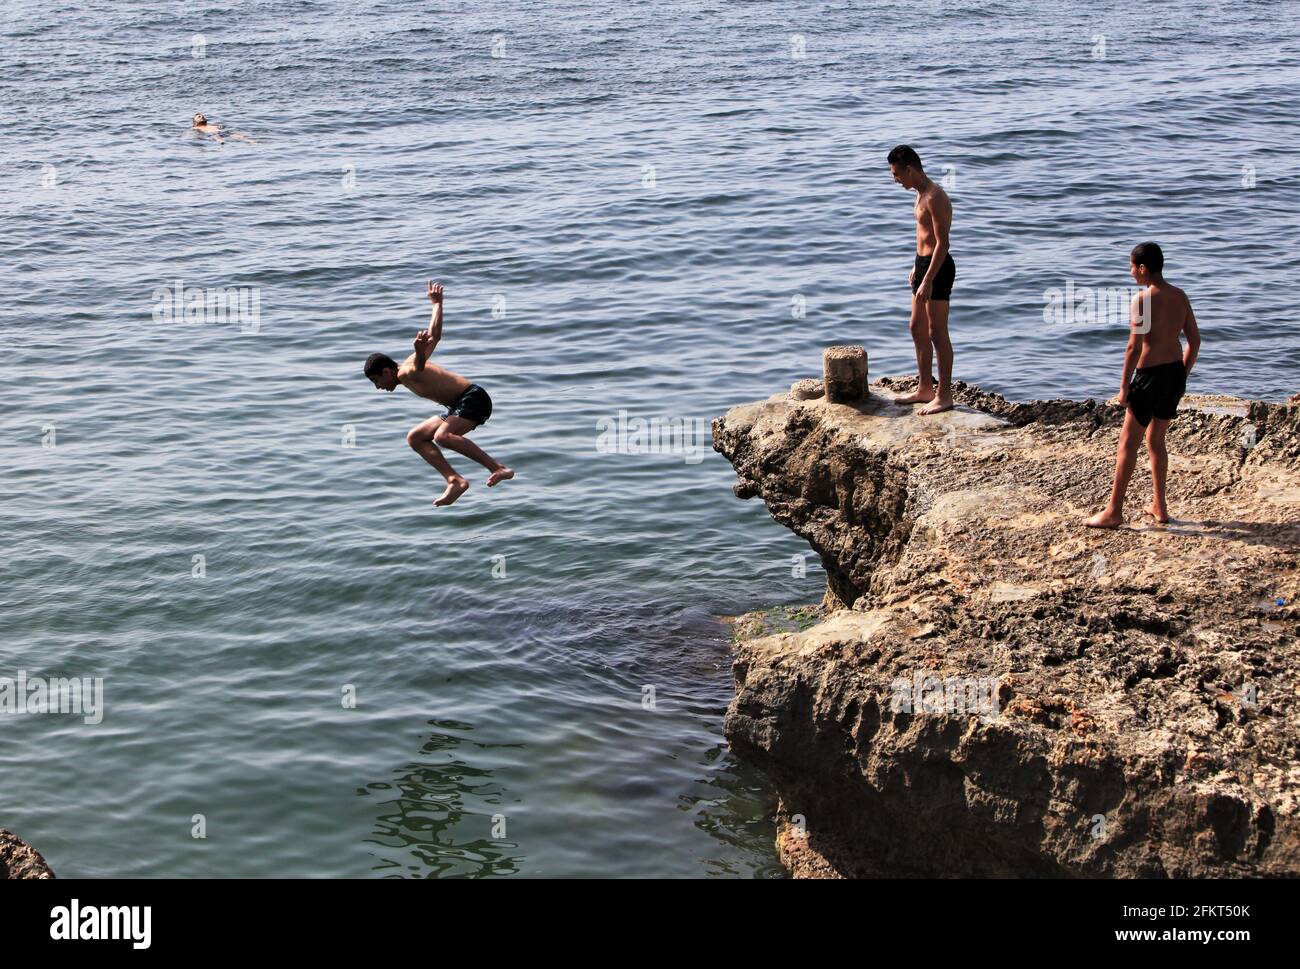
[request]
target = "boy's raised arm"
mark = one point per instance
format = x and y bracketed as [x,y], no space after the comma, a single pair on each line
[435,318]
[427,340]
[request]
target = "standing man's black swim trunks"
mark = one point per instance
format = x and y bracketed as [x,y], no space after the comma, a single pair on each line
[942,286]
[1156,391]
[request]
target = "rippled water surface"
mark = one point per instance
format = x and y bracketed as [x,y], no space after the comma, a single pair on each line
[627,205]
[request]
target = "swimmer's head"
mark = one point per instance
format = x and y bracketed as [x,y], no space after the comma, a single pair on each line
[382,371]
[1146,262]
[905,166]
[200,119]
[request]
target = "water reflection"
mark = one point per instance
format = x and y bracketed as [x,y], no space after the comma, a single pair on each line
[736,810]
[436,817]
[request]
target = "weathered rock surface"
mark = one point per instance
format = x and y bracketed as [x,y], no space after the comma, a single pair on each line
[807,389]
[20,860]
[1145,679]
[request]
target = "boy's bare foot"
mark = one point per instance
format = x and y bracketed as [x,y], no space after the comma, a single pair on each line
[918,397]
[1159,514]
[936,406]
[1105,519]
[455,488]
[500,474]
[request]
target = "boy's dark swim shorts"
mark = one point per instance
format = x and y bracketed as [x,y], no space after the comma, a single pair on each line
[941,288]
[473,405]
[1156,391]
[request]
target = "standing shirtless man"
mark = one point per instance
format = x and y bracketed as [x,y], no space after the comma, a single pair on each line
[931,279]
[1159,316]
[468,405]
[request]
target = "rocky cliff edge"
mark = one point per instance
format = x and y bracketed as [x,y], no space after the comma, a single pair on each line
[998,691]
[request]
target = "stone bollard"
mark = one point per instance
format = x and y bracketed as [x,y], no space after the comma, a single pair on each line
[845,370]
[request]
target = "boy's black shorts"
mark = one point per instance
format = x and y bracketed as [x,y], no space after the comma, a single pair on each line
[1156,391]
[473,405]
[941,288]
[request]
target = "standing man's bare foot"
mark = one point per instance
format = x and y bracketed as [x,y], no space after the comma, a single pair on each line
[500,474]
[1159,514]
[1105,519]
[456,487]
[937,406]
[920,396]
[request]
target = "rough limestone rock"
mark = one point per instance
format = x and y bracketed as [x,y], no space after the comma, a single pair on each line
[19,860]
[807,389]
[998,691]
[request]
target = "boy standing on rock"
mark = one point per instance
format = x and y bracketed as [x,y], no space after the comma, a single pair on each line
[1159,315]
[932,277]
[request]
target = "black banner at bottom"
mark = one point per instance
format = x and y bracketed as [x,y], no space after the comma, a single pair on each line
[210,918]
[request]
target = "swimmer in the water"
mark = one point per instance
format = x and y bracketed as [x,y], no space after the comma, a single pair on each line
[1159,315]
[468,405]
[204,126]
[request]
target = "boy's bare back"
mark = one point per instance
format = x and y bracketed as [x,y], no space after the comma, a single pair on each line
[1170,315]
[433,382]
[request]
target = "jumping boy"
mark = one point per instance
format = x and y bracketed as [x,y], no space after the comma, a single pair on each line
[1158,316]
[468,405]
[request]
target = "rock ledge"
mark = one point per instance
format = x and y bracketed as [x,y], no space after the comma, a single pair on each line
[20,860]
[998,691]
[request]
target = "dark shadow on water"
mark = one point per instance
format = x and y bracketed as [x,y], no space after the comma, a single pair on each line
[434,816]
[431,804]
[739,811]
